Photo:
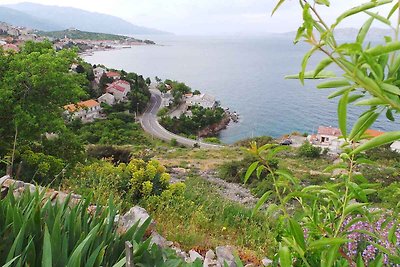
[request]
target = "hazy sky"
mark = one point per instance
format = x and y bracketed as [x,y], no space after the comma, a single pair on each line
[203,17]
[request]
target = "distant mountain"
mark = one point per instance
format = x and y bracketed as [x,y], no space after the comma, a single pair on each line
[59,18]
[18,18]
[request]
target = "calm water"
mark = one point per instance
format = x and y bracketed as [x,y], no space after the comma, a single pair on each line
[245,74]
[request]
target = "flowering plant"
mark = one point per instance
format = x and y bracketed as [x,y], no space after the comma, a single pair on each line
[334,224]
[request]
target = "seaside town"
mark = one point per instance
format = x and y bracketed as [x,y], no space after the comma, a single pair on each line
[13,37]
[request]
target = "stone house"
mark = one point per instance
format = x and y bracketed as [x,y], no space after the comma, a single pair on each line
[107,98]
[203,100]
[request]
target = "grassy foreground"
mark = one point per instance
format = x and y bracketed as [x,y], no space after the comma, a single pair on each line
[201,218]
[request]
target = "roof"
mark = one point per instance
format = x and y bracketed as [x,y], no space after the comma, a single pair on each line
[84,104]
[123,81]
[11,47]
[107,96]
[373,133]
[112,74]
[323,130]
[119,85]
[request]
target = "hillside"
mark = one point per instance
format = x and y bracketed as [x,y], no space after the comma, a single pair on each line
[77,34]
[59,18]
[19,18]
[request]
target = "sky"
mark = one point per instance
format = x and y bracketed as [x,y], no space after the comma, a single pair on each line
[207,17]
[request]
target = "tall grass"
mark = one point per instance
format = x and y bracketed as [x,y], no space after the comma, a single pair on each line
[36,232]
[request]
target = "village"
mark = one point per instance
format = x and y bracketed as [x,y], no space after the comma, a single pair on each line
[13,37]
[115,92]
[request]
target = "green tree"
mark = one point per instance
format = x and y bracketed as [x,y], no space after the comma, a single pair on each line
[148,81]
[35,84]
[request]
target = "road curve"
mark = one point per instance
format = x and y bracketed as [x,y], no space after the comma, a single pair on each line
[150,124]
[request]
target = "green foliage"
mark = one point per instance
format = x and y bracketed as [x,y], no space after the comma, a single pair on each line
[201,118]
[162,112]
[198,216]
[309,151]
[235,171]
[117,129]
[178,90]
[140,94]
[83,35]
[36,232]
[260,140]
[34,86]
[127,182]
[213,140]
[390,195]
[323,226]
[116,153]
[173,142]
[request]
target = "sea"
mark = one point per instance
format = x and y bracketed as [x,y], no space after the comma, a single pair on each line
[246,74]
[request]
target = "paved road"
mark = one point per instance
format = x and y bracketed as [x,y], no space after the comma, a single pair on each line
[151,125]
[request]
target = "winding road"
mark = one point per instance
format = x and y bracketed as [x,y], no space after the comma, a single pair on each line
[150,124]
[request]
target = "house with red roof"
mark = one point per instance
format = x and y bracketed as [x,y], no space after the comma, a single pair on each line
[86,111]
[119,89]
[114,75]
[10,47]
[330,137]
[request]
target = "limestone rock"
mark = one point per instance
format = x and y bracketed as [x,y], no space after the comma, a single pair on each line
[210,255]
[194,255]
[159,240]
[134,215]
[266,262]
[225,254]
[211,263]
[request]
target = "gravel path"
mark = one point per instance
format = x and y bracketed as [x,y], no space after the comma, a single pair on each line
[231,191]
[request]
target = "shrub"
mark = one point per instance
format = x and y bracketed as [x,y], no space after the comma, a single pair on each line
[390,195]
[213,140]
[162,112]
[309,151]
[382,153]
[116,153]
[127,182]
[260,140]
[174,142]
[234,171]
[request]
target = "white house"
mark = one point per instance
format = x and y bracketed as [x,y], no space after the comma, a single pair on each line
[98,72]
[86,111]
[119,89]
[203,100]
[107,98]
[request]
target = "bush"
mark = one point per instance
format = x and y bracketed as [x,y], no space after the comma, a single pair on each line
[382,153]
[234,171]
[117,154]
[260,140]
[309,151]
[162,112]
[213,140]
[174,142]
[127,182]
[390,195]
